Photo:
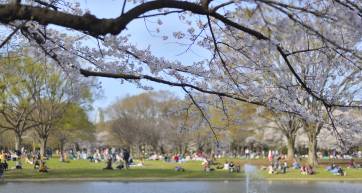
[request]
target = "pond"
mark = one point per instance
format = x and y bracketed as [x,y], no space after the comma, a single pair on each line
[181,187]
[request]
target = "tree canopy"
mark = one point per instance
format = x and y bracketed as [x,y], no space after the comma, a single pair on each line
[299,57]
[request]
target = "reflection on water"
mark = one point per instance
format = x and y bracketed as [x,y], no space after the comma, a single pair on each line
[177,187]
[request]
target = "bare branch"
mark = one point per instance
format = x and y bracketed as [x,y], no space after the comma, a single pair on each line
[203,114]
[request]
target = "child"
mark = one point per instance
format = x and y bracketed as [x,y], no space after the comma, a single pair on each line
[43,167]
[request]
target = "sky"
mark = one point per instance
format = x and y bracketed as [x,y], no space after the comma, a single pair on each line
[112,88]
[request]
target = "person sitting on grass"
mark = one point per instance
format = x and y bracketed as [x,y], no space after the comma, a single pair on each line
[341,172]
[335,170]
[166,158]
[219,166]
[90,158]
[179,169]
[28,159]
[270,169]
[283,167]
[226,165]
[237,167]
[295,164]
[231,167]
[96,157]
[207,167]
[352,164]
[205,163]
[120,166]
[304,170]
[309,170]
[36,164]
[331,167]
[18,165]
[43,168]
[109,164]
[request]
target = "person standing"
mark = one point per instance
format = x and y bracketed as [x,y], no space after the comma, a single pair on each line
[126,158]
[270,156]
[247,153]
[2,170]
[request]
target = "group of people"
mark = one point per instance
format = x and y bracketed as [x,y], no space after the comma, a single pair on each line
[38,162]
[40,166]
[8,156]
[124,160]
[353,164]
[181,157]
[336,170]
[306,170]
[31,158]
[231,167]
[3,163]
[3,166]
[277,165]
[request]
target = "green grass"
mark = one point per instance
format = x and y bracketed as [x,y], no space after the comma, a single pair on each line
[321,174]
[159,170]
[85,169]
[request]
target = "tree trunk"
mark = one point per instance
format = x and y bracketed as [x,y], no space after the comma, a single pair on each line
[312,150]
[61,147]
[43,146]
[291,148]
[18,141]
[162,150]
[313,130]
[185,149]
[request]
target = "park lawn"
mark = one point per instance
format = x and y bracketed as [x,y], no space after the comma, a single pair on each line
[85,169]
[159,170]
[321,174]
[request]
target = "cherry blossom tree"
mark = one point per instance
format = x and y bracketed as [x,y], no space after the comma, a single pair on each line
[311,79]
[289,125]
[253,20]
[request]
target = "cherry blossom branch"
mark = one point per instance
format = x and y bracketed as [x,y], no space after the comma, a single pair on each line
[305,50]
[46,4]
[96,27]
[11,34]
[214,9]
[123,6]
[88,73]
[202,114]
[334,128]
[161,14]
[219,54]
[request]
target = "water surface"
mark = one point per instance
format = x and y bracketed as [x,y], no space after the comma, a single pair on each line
[180,187]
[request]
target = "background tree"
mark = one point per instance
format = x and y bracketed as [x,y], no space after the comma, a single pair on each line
[72,127]
[236,120]
[16,97]
[289,125]
[54,92]
[140,120]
